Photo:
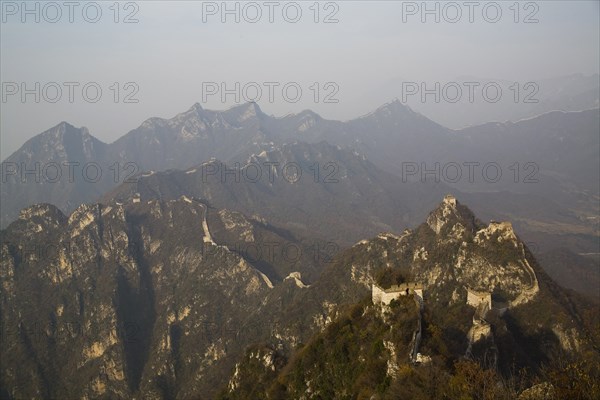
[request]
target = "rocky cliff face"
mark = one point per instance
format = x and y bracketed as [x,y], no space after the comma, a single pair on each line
[484,299]
[125,300]
[155,299]
[311,189]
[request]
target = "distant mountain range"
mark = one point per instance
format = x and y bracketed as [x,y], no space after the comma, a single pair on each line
[518,100]
[382,170]
[345,203]
[557,151]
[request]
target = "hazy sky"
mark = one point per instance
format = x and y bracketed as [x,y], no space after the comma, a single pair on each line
[175,50]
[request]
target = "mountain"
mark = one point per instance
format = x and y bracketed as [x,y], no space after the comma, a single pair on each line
[460,109]
[553,153]
[192,137]
[391,134]
[316,190]
[562,145]
[547,167]
[56,166]
[158,144]
[141,299]
[353,200]
[482,313]
[554,150]
[145,299]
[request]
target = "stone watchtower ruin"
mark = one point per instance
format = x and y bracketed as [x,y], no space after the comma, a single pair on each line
[385,296]
[475,298]
[449,199]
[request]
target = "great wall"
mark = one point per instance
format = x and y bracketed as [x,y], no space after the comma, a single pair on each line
[481,301]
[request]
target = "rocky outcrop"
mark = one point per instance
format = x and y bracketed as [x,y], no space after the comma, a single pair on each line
[126,300]
[152,299]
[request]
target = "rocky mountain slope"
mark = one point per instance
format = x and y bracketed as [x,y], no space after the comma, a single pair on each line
[132,300]
[351,199]
[151,299]
[313,189]
[486,311]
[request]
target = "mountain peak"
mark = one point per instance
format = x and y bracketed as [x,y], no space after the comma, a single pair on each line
[503,230]
[254,105]
[58,130]
[451,214]
[449,200]
[196,107]
[39,209]
[63,125]
[309,114]
[246,110]
[193,113]
[56,138]
[395,104]
[393,108]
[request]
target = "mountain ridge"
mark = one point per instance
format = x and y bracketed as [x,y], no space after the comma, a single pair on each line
[551,159]
[368,346]
[151,147]
[162,272]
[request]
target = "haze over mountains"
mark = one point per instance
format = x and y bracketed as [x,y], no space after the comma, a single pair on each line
[393,137]
[518,100]
[220,251]
[539,173]
[336,200]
